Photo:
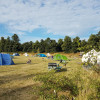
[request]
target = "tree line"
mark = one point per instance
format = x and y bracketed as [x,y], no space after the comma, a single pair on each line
[67,45]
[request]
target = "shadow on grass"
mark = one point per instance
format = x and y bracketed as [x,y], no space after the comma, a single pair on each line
[20,63]
[23,93]
[62,70]
[9,78]
[25,63]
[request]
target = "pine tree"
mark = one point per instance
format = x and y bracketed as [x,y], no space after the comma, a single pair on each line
[67,45]
[76,44]
[2,44]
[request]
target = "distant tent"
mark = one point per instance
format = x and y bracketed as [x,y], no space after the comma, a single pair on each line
[41,55]
[48,55]
[26,54]
[36,55]
[91,57]
[60,57]
[5,59]
[16,54]
[12,56]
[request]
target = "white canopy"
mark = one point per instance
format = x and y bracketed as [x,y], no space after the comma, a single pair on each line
[48,54]
[26,54]
[91,57]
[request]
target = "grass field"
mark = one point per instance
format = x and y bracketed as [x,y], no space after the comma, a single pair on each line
[16,81]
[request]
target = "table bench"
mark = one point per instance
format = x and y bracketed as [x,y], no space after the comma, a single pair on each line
[54,66]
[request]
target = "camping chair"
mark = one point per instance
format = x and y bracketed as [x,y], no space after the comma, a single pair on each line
[60,61]
[29,61]
[63,62]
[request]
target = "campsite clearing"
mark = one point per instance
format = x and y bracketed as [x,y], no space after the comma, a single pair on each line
[16,81]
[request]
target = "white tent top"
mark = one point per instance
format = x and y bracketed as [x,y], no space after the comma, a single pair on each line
[92,56]
[48,54]
[26,54]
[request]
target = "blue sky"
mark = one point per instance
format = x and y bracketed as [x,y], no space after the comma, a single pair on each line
[38,19]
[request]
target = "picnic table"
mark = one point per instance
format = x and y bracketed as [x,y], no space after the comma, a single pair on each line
[54,66]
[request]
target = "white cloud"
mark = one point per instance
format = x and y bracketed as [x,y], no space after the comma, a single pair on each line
[29,38]
[64,17]
[84,38]
[34,39]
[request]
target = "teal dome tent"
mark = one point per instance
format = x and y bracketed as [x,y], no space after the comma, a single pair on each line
[41,55]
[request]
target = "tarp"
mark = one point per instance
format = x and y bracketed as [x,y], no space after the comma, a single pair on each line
[60,57]
[41,55]
[5,59]
[16,54]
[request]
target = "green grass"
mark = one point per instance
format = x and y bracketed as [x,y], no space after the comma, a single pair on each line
[16,81]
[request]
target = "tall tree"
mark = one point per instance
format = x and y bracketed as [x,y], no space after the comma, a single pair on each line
[76,44]
[47,45]
[15,38]
[27,46]
[36,46]
[60,42]
[83,46]
[2,44]
[30,46]
[7,46]
[53,46]
[92,41]
[42,46]
[67,45]
[98,37]
[16,44]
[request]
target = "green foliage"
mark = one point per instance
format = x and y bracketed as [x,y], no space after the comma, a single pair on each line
[93,41]
[51,82]
[76,44]
[49,45]
[53,46]
[60,42]
[15,38]
[2,44]
[36,46]
[94,85]
[42,46]
[27,46]
[7,45]
[67,44]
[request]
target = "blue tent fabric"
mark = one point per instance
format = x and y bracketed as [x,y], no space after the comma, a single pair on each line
[12,56]
[41,55]
[5,59]
[16,54]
